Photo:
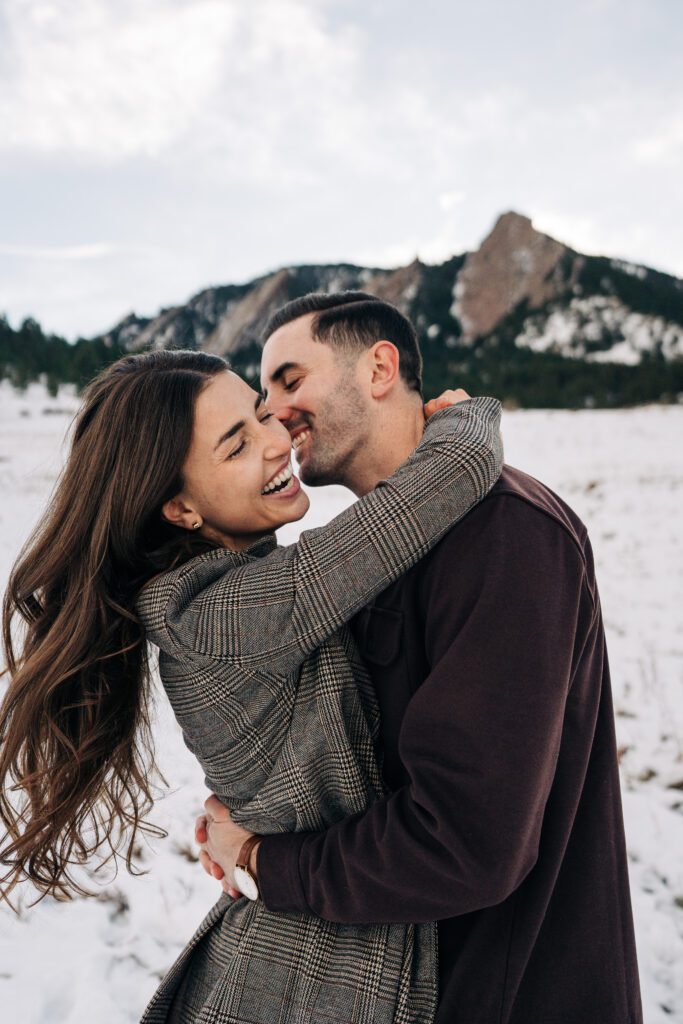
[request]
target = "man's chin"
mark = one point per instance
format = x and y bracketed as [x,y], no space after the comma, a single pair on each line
[314,476]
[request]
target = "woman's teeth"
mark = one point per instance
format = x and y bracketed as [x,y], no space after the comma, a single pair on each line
[279,482]
[300,438]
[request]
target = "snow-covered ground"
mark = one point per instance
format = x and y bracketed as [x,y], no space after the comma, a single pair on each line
[98,961]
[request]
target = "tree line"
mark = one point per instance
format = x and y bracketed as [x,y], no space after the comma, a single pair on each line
[517,376]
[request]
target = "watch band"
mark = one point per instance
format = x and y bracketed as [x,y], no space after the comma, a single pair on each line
[245,853]
[244,877]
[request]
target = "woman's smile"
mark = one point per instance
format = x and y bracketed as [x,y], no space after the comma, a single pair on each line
[288,491]
[279,479]
[283,485]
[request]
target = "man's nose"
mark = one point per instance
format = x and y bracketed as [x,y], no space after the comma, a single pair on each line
[284,413]
[280,409]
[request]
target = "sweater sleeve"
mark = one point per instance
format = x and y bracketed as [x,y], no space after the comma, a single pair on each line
[505,600]
[272,612]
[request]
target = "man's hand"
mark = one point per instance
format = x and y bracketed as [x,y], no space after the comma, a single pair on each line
[221,840]
[445,399]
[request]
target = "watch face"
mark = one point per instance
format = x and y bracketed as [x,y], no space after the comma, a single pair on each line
[246,884]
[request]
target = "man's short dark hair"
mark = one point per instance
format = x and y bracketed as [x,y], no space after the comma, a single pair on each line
[354,321]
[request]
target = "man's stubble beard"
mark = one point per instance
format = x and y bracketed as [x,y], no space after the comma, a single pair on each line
[339,438]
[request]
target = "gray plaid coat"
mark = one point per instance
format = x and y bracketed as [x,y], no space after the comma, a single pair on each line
[275,703]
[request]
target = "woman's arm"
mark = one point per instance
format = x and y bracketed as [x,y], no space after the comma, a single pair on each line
[271,612]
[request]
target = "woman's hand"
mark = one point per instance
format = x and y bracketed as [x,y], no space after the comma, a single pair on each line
[445,399]
[220,840]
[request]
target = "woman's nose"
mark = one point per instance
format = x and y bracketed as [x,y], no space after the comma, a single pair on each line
[278,441]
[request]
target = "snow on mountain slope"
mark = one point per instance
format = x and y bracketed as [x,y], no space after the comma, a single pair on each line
[601,329]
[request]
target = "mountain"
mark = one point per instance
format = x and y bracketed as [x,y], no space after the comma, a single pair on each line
[230,320]
[524,316]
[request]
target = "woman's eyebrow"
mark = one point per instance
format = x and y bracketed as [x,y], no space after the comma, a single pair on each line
[236,426]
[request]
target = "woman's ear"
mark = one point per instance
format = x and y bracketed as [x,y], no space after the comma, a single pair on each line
[178,513]
[385,368]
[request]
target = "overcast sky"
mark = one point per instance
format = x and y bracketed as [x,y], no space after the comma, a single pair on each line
[149,148]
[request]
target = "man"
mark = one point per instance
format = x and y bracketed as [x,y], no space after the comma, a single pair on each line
[504,819]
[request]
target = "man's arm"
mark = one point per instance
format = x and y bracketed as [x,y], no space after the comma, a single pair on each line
[505,601]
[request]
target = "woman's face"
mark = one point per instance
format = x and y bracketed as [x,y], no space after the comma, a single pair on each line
[238,474]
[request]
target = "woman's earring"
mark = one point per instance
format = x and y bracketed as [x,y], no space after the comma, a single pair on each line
[196,526]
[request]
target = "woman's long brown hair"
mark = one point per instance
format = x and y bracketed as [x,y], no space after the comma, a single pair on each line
[76,758]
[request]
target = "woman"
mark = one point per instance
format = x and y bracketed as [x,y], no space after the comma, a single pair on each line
[263,678]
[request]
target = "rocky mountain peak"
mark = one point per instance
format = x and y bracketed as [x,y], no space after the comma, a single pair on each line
[514,262]
[243,323]
[397,286]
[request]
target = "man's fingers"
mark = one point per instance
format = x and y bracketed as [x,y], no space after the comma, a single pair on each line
[200,833]
[205,861]
[216,810]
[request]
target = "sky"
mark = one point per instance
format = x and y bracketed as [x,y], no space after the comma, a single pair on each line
[151,148]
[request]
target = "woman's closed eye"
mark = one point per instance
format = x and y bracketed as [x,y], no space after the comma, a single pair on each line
[237,451]
[240,449]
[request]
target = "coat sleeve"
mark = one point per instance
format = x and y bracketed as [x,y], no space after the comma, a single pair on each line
[272,612]
[505,603]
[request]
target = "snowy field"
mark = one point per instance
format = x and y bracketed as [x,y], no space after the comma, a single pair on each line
[98,961]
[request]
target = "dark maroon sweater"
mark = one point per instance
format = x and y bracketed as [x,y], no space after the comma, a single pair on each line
[504,822]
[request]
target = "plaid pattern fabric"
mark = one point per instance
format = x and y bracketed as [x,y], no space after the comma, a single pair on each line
[275,703]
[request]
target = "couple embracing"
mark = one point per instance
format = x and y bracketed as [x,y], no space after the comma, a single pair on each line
[405,717]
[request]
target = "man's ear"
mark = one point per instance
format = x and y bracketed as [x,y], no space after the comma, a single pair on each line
[384,365]
[178,513]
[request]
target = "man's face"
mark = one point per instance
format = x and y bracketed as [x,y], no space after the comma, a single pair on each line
[316,392]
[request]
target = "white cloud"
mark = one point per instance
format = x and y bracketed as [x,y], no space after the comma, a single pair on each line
[266,93]
[393,254]
[94,251]
[449,200]
[84,289]
[580,232]
[663,147]
[638,240]
[107,81]
[444,241]
[287,103]
[257,91]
